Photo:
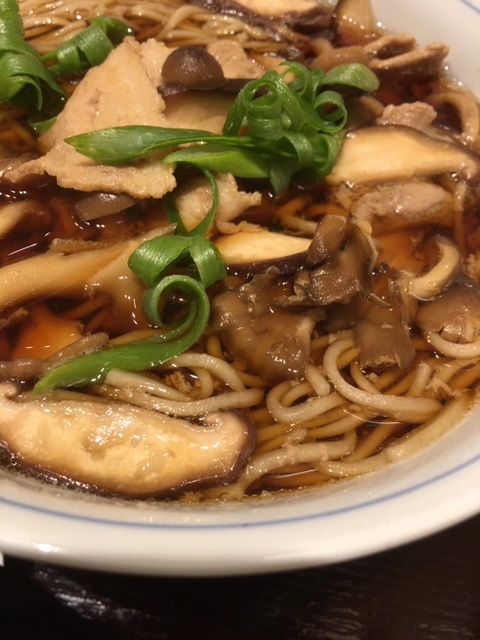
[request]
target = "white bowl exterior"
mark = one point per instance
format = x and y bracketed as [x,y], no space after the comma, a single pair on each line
[432,490]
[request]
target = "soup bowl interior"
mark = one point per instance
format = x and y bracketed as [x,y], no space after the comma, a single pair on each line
[429,491]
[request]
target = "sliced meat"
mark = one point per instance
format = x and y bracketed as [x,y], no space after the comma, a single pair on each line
[398,206]
[205,110]
[420,63]
[108,96]
[418,115]
[234,61]
[194,199]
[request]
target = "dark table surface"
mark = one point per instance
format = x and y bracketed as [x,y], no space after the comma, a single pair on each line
[429,590]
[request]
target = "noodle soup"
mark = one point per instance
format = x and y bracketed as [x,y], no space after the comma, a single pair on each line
[342,335]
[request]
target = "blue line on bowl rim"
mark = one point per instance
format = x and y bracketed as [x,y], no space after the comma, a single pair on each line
[243,525]
[470,5]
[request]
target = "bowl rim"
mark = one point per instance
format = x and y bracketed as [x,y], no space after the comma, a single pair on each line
[397,505]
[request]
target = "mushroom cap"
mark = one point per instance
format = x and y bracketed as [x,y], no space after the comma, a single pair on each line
[194,68]
[452,312]
[309,14]
[120,448]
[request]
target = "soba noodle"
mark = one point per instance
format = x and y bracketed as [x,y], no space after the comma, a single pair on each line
[345,411]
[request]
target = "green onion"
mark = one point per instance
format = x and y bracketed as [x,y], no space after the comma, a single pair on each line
[273,130]
[89,48]
[24,80]
[141,354]
[153,262]
[289,129]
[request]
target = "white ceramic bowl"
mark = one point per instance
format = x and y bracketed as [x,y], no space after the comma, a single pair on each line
[431,491]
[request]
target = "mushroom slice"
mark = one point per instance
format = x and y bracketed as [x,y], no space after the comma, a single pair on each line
[382,332]
[466,109]
[421,62]
[353,22]
[293,13]
[446,266]
[11,214]
[272,341]
[55,273]
[120,448]
[390,45]
[247,253]
[52,274]
[455,312]
[98,204]
[393,153]
[341,258]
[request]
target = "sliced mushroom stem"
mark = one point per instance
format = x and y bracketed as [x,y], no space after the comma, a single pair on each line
[353,22]
[433,282]
[248,253]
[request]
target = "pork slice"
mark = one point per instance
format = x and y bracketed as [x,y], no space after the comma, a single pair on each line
[234,61]
[121,91]
[418,115]
[194,199]
[403,205]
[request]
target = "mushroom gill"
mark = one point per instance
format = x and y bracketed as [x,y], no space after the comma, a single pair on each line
[272,341]
[339,263]
[466,110]
[120,448]
[382,333]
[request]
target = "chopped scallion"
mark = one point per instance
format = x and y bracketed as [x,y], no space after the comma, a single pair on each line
[88,48]
[274,129]
[153,261]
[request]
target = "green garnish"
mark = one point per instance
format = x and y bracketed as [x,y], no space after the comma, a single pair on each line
[26,82]
[289,129]
[153,262]
[88,48]
[141,354]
